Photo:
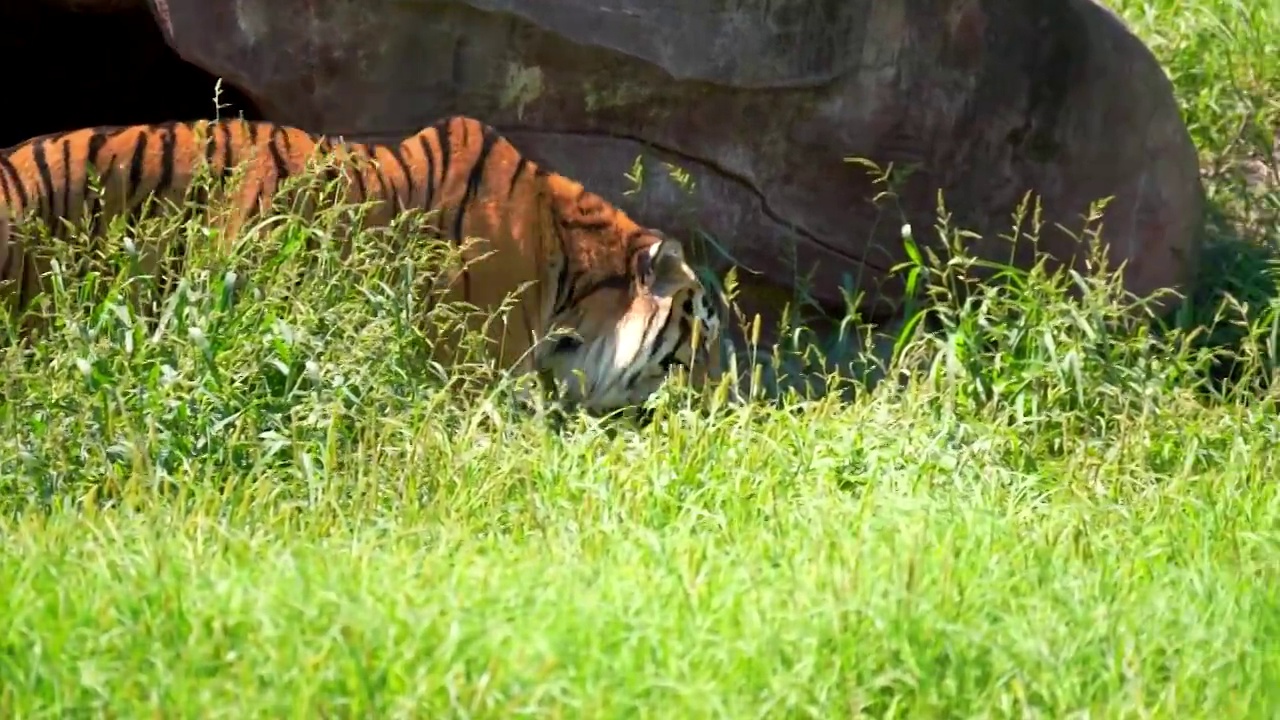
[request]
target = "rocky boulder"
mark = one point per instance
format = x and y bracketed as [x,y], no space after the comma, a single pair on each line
[761,101]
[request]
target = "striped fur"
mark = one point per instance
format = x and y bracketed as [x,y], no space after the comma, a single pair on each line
[625,291]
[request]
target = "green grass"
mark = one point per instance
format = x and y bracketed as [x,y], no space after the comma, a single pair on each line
[269,503]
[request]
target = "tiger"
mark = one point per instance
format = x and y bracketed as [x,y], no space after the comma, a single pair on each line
[622,298]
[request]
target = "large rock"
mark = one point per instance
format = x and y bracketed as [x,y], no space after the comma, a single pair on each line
[761,101]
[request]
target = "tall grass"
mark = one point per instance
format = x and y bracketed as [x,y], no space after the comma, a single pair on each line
[263,499]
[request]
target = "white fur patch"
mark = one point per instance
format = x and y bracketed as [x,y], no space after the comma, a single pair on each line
[624,368]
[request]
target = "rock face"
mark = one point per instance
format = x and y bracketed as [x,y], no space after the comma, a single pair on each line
[760,101]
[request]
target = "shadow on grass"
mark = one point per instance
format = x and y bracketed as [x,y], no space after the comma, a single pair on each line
[1232,314]
[1235,301]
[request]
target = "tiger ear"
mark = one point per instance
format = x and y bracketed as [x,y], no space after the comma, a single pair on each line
[660,269]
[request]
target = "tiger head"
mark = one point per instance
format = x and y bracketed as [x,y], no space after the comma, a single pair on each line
[630,331]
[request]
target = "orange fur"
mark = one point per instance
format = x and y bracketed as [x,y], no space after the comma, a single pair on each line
[624,291]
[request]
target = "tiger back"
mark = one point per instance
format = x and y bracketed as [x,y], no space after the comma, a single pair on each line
[85,178]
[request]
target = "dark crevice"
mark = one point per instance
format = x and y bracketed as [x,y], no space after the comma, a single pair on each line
[72,69]
[711,166]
